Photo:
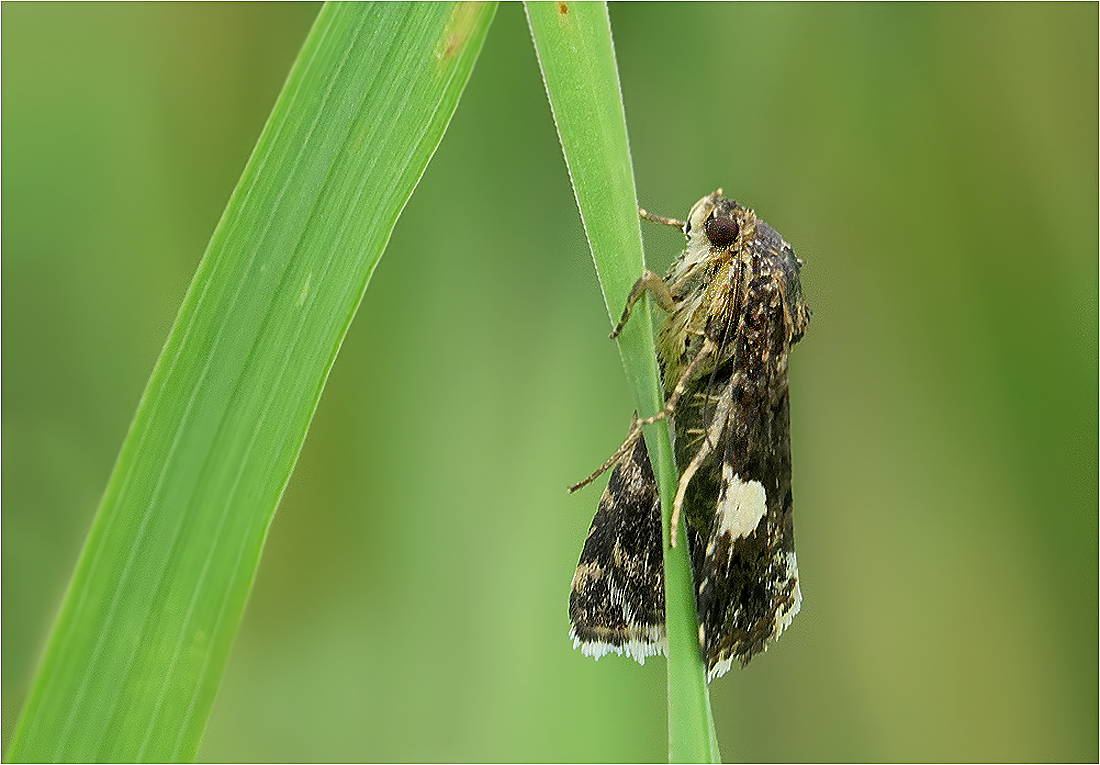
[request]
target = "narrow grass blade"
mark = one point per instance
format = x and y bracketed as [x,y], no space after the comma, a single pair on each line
[575,51]
[134,659]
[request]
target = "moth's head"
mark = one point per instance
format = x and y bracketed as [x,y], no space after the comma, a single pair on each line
[718,222]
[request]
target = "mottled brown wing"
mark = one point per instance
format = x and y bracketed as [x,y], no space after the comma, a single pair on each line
[617,601]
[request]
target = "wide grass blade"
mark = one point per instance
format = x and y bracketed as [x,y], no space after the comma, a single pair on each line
[134,659]
[577,57]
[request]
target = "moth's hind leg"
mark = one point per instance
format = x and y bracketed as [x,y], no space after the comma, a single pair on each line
[632,437]
[667,410]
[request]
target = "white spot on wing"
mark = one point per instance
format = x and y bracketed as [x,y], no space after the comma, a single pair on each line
[742,505]
[720,668]
[783,618]
[651,644]
[643,639]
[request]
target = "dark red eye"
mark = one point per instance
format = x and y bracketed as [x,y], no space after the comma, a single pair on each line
[720,231]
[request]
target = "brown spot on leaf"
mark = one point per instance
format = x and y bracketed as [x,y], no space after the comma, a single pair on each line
[459,26]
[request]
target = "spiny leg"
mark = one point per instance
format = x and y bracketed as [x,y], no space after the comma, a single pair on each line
[706,448]
[655,286]
[661,219]
[674,522]
[628,444]
[667,410]
[673,399]
[649,281]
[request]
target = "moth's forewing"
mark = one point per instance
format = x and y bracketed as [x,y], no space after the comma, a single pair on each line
[617,600]
[734,416]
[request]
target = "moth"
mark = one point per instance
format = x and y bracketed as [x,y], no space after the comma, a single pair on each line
[734,308]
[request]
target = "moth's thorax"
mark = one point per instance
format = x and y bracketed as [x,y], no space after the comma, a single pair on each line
[733,264]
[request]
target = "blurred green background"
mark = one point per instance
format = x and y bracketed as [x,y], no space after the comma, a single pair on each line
[934,165]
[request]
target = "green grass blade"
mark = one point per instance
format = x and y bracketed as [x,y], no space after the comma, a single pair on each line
[133,663]
[577,58]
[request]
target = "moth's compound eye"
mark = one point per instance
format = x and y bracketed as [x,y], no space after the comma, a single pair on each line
[720,231]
